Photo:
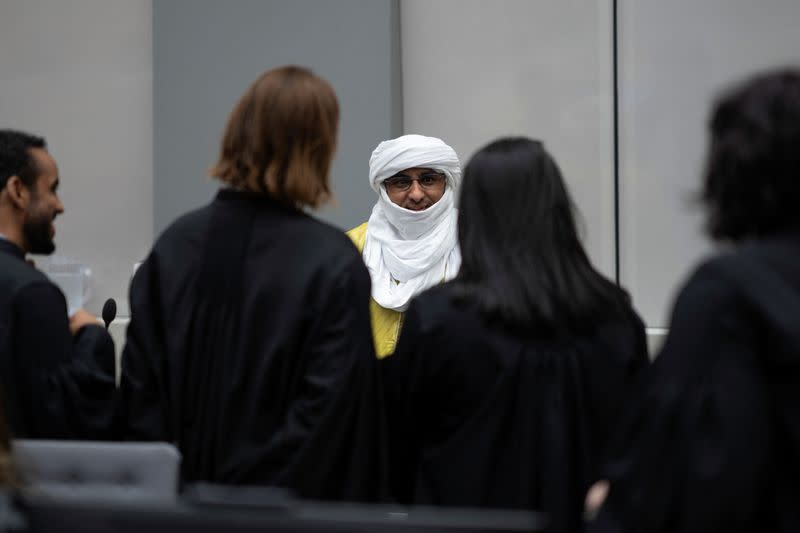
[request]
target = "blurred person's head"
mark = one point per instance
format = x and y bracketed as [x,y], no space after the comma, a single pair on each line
[522,259]
[281,137]
[29,201]
[752,180]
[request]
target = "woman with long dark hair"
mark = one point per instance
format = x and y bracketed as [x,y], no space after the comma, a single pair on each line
[713,441]
[507,380]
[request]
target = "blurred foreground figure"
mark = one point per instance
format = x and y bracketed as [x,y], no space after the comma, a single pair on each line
[507,380]
[712,443]
[249,344]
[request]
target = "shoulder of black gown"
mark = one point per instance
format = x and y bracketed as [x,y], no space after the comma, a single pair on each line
[9,248]
[65,385]
[16,271]
[331,246]
[435,306]
[185,231]
[694,450]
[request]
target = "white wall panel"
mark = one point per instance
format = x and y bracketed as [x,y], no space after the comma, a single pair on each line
[80,74]
[475,70]
[674,58]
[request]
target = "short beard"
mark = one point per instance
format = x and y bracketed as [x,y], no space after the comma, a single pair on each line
[36,231]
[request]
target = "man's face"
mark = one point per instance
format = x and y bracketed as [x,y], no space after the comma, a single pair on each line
[38,229]
[415,188]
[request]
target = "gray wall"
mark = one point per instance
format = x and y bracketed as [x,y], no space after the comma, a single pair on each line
[674,58]
[80,73]
[123,88]
[476,70]
[207,52]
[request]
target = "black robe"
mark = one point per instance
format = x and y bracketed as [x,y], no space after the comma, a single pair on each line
[480,416]
[249,347]
[712,438]
[55,385]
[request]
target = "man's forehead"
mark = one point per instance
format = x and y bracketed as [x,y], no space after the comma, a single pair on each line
[416,170]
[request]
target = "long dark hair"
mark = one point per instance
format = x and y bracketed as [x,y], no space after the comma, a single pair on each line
[522,261]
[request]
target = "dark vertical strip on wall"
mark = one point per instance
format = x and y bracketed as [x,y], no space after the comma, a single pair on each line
[397,70]
[615,62]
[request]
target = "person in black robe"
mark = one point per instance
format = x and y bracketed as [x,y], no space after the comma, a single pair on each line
[712,439]
[507,381]
[57,371]
[249,345]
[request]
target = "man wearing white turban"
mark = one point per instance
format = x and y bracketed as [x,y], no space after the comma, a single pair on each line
[409,243]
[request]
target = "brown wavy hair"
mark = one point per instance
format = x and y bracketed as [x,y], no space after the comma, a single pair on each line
[281,137]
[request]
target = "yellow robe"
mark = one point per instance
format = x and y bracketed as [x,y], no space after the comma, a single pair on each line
[386,323]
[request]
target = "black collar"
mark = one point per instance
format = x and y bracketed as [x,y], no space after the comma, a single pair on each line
[8,247]
[252,199]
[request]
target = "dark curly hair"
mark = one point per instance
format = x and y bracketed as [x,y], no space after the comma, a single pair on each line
[752,180]
[15,156]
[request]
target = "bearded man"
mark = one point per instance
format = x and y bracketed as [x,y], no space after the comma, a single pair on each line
[409,243]
[56,371]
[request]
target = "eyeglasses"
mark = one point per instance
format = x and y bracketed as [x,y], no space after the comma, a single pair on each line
[402,183]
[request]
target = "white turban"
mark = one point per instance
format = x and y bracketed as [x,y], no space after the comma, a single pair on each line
[413,151]
[408,251]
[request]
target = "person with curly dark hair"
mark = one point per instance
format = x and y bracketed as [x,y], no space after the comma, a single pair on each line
[712,442]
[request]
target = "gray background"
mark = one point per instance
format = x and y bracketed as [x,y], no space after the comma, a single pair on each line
[207,52]
[543,69]
[80,73]
[675,57]
[133,96]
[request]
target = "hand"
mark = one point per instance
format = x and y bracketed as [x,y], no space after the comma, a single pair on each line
[81,318]
[594,498]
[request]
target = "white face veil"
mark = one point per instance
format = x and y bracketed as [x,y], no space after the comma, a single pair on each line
[408,251]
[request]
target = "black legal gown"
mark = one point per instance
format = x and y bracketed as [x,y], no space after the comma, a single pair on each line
[53,385]
[712,439]
[480,416]
[249,347]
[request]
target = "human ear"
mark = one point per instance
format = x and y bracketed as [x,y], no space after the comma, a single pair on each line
[18,193]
